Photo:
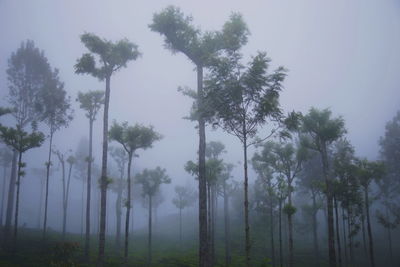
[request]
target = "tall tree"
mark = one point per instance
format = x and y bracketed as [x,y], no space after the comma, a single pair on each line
[150,180]
[320,131]
[184,198]
[242,100]
[180,35]
[91,102]
[55,112]
[112,57]
[20,141]
[27,73]
[132,138]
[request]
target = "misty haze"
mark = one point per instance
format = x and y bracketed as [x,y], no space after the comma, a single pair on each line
[200,133]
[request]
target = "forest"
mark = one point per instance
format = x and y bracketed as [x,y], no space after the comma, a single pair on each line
[199,134]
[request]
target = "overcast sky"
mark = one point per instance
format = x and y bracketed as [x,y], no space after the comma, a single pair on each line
[343,55]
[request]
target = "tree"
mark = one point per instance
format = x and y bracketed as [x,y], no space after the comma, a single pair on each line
[132,138]
[66,181]
[367,172]
[151,181]
[20,141]
[91,102]
[242,100]
[112,57]
[319,131]
[55,112]
[120,157]
[180,35]
[27,73]
[184,198]
[5,159]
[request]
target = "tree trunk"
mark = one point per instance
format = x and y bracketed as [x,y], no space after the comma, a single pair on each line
[3,194]
[118,211]
[82,207]
[349,227]
[246,200]
[329,200]
[371,241]
[290,228]
[10,199]
[363,230]
[46,199]
[149,238]
[271,222]
[227,228]
[389,232]
[64,207]
[104,178]
[209,224]
[89,190]
[203,246]
[17,198]
[280,232]
[315,230]
[180,227]
[337,232]
[128,208]
[67,197]
[346,260]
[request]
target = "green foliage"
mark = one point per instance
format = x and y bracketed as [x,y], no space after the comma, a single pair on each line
[65,254]
[185,197]
[111,56]
[91,102]
[20,140]
[133,137]
[150,180]
[289,209]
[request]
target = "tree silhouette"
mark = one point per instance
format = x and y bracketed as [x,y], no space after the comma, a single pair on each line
[112,57]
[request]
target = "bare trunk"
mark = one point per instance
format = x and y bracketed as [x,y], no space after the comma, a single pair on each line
[64,207]
[104,178]
[66,199]
[3,194]
[118,211]
[10,199]
[271,222]
[203,246]
[246,200]
[329,200]
[128,208]
[371,241]
[363,231]
[315,229]
[180,228]
[149,237]
[349,227]
[290,229]
[280,232]
[17,199]
[338,232]
[89,190]
[227,228]
[346,260]
[82,207]
[46,199]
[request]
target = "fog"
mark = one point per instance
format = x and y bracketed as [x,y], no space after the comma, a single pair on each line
[341,55]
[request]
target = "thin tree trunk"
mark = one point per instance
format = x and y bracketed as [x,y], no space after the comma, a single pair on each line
[209,223]
[180,228]
[329,200]
[3,194]
[149,238]
[338,232]
[290,229]
[271,222]
[104,179]
[389,239]
[46,199]
[119,215]
[315,230]
[227,228]
[10,199]
[363,231]
[128,208]
[64,221]
[203,242]
[82,207]
[17,199]
[346,260]
[349,227]
[280,232]
[371,241]
[89,190]
[67,197]
[246,200]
